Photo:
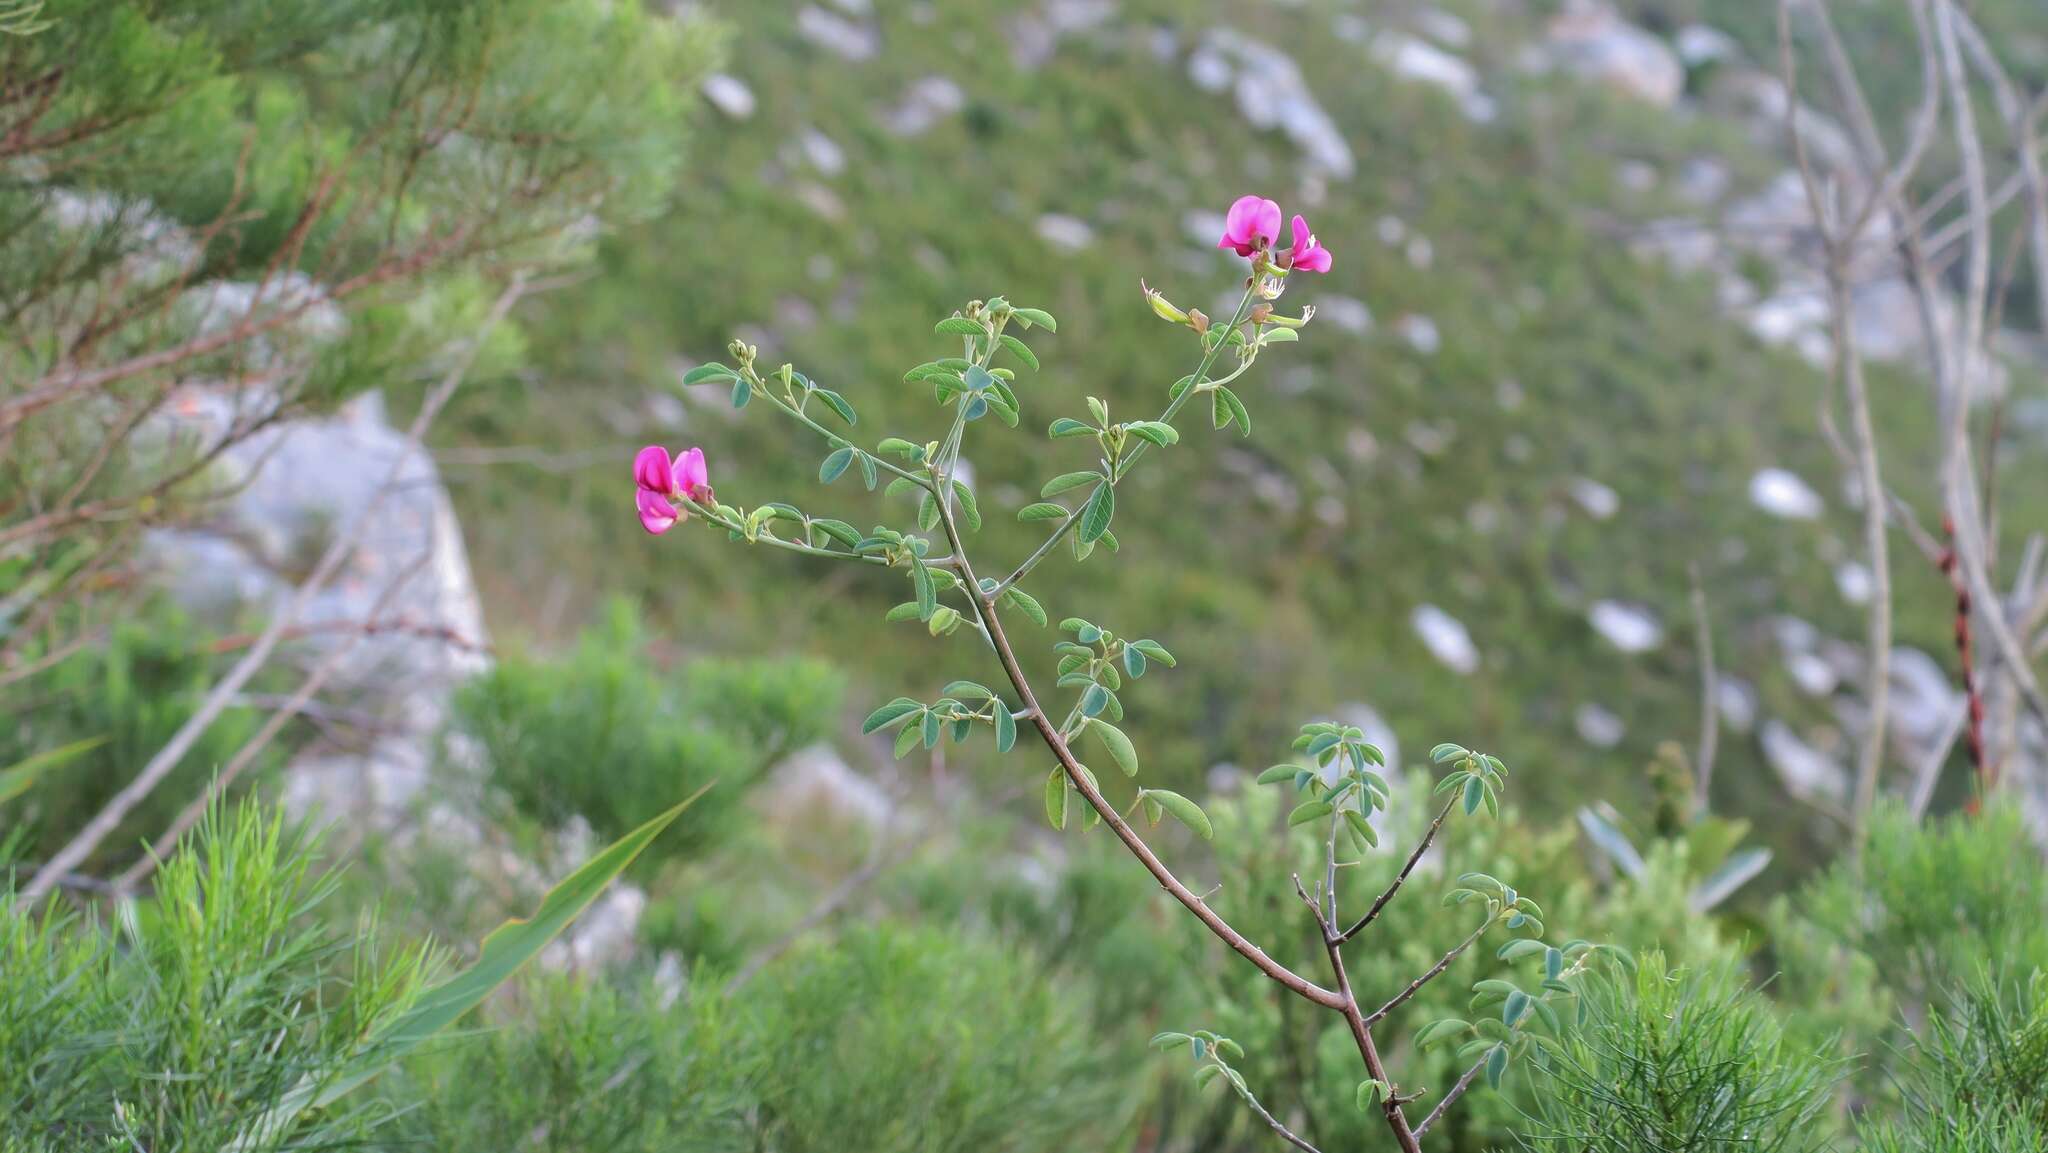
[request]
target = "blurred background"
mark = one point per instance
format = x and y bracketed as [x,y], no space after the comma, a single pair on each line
[332,329]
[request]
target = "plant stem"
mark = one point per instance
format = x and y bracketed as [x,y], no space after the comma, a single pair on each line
[1435,970]
[1401,877]
[984,605]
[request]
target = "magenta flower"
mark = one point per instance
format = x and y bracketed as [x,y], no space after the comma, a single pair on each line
[661,481]
[1307,255]
[657,515]
[1252,224]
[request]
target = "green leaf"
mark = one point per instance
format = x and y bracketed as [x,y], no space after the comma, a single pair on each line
[1096,514]
[18,777]
[1037,316]
[1067,426]
[931,729]
[1155,651]
[1067,480]
[742,392]
[959,326]
[902,448]
[1043,510]
[1236,406]
[1496,1065]
[1026,604]
[1309,811]
[1134,661]
[1517,1004]
[1185,811]
[1437,1030]
[908,739]
[507,949]
[1368,1095]
[705,373]
[1158,432]
[1006,727]
[1120,748]
[839,405]
[927,595]
[892,713]
[1519,948]
[968,689]
[1056,799]
[1278,773]
[1094,700]
[1362,827]
[970,511]
[1022,351]
[1475,791]
[834,465]
[1168,1042]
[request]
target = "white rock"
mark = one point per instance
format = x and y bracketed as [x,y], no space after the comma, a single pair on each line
[1420,332]
[1852,580]
[1424,63]
[1923,698]
[1736,700]
[1599,501]
[1703,179]
[817,775]
[1595,43]
[1699,44]
[1065,232]
[1630,628]
[1782,494]
[1444,28]
[924,104]
[1598,726]
[1446,639]
[836,34]
[822,151]
[1346,312]
[1812,673]
[729,94]
[1807,773]
[1272,94]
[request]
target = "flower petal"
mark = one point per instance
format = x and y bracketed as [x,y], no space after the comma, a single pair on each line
[657,515]
[691,477]
[651,469]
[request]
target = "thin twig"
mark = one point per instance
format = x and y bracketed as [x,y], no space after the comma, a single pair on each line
[1435,971]
[1710,712]
[1400,877]
[1457,1091]
[338,551]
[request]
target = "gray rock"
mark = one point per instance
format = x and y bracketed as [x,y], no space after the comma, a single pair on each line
[1446,639]
[1784,495]
[924,105]
[1807,773]
[844,38]
[1069,233]
[1590,40]
[1272,94]
[1628,627]
[1599,501]
[729,94]
[1598,726]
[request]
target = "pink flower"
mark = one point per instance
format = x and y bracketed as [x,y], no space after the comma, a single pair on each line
[1307,255]
[661,481]
[657,515]
[1252,224]
[685,477]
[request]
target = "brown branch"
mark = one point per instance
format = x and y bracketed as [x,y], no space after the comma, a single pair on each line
[985,608]
[1434,972]
[1457,1091]
[1361,1034]
[1400,877]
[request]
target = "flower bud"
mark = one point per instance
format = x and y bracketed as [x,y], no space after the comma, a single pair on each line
[1198,321]
[1161,306]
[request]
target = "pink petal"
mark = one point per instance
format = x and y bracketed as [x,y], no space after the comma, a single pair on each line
[1250,220]
[691,477]
[651,469]
[657,515]
[1316,259]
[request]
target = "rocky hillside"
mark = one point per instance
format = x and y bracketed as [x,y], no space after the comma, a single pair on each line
[1568,352]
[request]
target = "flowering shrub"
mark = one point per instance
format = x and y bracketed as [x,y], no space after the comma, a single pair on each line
[1337,781]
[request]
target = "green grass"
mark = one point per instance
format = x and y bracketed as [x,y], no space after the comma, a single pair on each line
[1629,375]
